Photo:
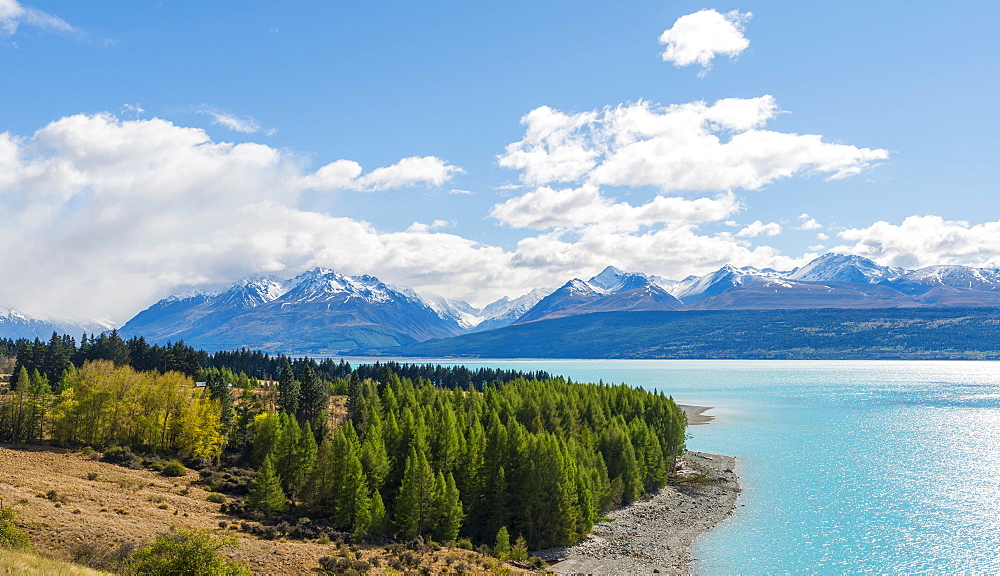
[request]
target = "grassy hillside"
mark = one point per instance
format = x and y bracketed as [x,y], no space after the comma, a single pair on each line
[74,507]
[28,564]
[896,333]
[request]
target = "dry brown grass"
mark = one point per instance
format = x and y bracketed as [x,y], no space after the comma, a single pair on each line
[28,564]
[66,500]
[61,508]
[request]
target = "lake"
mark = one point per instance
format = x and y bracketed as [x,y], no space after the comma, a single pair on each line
[846,466]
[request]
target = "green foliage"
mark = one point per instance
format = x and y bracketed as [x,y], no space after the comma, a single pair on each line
[289,390]
[415,506]
[191,553]
[502,547]
[173,469]
[541,458]
[266,495]
[107,405]
[10,535]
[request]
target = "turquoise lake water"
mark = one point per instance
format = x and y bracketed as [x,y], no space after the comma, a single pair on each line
[846,466]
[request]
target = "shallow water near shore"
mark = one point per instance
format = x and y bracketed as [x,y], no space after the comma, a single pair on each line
[846,466]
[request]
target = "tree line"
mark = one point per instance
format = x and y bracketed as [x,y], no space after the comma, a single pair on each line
[406,451]
[541,459]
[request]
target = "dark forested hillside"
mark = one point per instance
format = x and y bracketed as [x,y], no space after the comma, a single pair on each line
[895,333]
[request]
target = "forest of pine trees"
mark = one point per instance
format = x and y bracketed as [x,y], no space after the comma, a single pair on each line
[526,456]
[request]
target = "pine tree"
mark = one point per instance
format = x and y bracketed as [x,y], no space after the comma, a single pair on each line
[374,458]
[379,517]
[315,396]
[414,505]
[266,495]
[502,547]
[350,491]
[289,393]
[449,507]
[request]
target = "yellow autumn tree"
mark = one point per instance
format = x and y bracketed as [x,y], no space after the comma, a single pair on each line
[104,405]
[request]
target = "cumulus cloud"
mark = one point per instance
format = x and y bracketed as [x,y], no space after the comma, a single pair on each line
[411,171]
[346,175]
[13,14]
[693,147]
[925,240]
[698,38]
[758,228]
[109,215]
[807,223]
[672,252]
[576,207]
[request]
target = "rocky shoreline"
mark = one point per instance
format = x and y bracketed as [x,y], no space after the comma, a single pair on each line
[654,536]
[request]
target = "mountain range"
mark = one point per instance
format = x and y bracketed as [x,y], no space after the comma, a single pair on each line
[14,325]
[324,312]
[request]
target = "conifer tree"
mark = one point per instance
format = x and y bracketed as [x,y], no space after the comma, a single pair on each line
[414,505]
[449,507]
[374,458]
[266,495]
[349,501]
[289,393]
[502,547]
[315,396]
[378,516]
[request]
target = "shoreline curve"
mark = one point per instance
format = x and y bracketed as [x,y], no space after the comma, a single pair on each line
[655,535]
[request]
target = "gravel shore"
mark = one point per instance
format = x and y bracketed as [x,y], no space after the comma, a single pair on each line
[653,536]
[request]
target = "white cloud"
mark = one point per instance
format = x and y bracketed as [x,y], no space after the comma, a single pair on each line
[698,38]
[13,14]
[459,192]
[925,240]
[346,175]
[693,147]
[410,171]
[822,236]
[110,215]
[807,223]
[758,228]
[672,252]
[422,227]
[576,207]
[236,123]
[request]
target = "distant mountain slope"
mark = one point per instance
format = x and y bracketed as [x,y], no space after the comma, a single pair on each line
[14,325]
[611,290]
[894,333]
[317,311]
[322,311]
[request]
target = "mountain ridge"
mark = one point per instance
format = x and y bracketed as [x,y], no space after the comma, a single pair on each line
[323,311]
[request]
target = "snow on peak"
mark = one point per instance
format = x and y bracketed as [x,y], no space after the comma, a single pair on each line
[613,280]
[848,268]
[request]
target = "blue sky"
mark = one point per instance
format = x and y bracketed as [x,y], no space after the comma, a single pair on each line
[477,151]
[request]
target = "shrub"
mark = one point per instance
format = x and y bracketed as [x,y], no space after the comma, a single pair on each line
[121,456]
[174,469]
[216,498]
[10,536]
[187,552]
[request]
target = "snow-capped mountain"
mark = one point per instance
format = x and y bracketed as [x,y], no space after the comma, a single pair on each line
[15,324]
[317,311]
[611,290]
[504,312]
[323,311]
[846,268]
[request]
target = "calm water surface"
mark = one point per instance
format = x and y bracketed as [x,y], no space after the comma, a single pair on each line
[846,466]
